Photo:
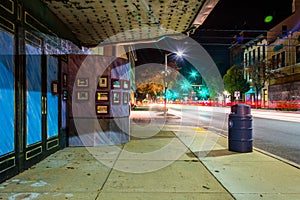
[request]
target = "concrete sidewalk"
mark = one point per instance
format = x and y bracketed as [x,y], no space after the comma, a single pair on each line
[160,162]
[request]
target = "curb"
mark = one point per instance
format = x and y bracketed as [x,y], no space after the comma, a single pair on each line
[293,164]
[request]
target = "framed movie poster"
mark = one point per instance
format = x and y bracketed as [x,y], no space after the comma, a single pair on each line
[54,87]
[102,96]
[116,83]
[65,80]
[102,82]
[126,84]
[116,98]
[102,109]
[82,95]
[125,98]
[82,82]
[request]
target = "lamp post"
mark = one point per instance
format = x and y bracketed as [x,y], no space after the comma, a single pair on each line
[166,84]
[165,78]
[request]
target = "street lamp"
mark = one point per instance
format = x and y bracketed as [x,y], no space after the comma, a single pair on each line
[179,54]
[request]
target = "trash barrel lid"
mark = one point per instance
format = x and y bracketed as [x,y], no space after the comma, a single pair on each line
[241,109]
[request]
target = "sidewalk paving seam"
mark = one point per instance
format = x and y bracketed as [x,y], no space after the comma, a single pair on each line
[206,166]
[109,173]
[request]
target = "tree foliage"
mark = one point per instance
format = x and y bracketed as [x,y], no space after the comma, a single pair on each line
[234,81]
[151,89]
[150,79]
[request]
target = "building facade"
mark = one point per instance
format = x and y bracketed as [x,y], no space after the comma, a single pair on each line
[272,65]
[254,56]
[38,81]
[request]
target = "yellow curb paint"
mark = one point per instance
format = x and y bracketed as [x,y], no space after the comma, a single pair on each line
[199,129]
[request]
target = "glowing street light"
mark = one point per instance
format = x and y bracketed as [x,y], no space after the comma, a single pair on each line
[179,53]
[193,74]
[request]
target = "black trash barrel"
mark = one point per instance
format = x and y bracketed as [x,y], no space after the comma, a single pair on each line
[240,128]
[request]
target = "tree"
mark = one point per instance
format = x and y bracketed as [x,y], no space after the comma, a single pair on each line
[234,81]
[151,89]
[150,79]
[262,72]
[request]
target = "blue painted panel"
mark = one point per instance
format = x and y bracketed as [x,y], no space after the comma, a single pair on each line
[52,100]
[64,114]
[34,95]
[121,72]
[7,101]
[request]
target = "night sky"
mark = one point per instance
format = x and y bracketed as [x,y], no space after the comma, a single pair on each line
[230,17]
[227,19]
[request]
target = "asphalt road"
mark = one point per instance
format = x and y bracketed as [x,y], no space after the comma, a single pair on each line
[277,133]
[281,138]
